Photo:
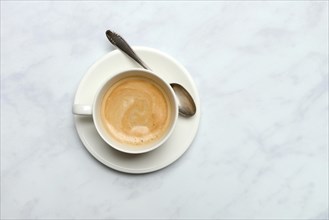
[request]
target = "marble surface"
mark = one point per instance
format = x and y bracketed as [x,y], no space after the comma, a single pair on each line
[261,151]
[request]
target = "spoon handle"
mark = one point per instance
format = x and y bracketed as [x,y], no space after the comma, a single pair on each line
[121,44]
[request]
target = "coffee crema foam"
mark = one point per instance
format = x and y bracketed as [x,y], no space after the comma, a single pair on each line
[135,111]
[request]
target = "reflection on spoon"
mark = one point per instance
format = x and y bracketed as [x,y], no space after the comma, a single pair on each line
[187,106]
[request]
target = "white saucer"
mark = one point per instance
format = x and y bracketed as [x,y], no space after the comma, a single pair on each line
[166,154]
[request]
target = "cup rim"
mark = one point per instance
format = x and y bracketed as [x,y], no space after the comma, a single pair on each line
[108,140]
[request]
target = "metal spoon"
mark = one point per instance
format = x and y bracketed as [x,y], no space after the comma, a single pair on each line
[186,103]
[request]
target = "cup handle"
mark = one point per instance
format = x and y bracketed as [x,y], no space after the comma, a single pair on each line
[85,110]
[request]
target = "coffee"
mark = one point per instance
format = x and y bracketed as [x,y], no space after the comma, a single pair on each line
[136,111]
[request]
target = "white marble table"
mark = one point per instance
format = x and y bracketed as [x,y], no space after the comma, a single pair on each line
[261,151]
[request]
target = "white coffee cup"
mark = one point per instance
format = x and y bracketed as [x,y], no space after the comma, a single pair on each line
[94,110]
